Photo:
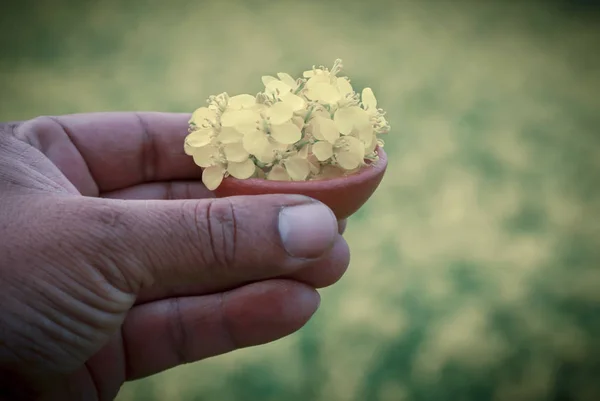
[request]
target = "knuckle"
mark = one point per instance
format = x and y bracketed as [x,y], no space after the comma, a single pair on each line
[100,243]
[176,332]
[218,227]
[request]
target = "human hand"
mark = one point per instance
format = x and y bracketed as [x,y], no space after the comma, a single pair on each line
[113,268]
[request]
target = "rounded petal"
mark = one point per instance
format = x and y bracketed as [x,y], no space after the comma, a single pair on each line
[343,121]
[199,138]
[241,170]
[327,129]
[366,134]
[255,143]
[347,160]
[278,87]
[202,115]
[324,93]
[187,149]
[286,133]
[295,102]
[279,113]
[235,152]
[241,102]
[322,150]
[352,153]
[318,78]
[308,74]
[233,118]
[287,79]
[278,173]
[266,79]
[297,168]
[206,156]
[213,176]
[230,135]
[370,148]
[356,146]
[368,99]
[344,86]
[348,118]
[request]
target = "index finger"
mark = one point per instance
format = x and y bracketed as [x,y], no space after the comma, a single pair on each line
[120,149]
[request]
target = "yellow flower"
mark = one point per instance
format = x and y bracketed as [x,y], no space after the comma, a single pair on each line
[217,162]
[283,89]
[309,128]
[347,151]
[204,117]
[294,167]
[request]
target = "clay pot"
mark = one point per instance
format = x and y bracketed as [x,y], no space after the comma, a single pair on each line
[344,195]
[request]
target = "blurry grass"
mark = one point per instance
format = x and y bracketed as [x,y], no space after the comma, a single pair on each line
[475,271]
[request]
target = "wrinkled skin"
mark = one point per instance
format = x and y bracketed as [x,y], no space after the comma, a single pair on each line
[116,263]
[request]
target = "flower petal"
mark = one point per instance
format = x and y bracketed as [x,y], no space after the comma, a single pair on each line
[344,86]
[347,160]
[279,113]
[319,78]
[327,129]
[324,93]
[278,173]
[343,120]
[370,148]
[232,118]
[322,150]
[366,134]
[369,100]
[213,176]
[201,115]
[278,87]
[199,138]
[235,152]
[241,102]
[230,135]
[295,102]
[255,143]
[187,149]
[287,133]
[297,168]
[352,154]
[287,79]
[241,170]
[266,79]
[206,156]
[348,118]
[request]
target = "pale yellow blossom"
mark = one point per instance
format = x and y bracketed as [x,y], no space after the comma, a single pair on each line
[313,127]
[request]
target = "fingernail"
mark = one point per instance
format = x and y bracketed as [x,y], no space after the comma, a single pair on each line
[307,231]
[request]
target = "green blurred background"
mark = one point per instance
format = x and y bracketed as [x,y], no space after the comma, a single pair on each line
[475,269]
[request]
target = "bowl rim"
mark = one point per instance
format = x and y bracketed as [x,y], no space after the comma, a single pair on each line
[366,173]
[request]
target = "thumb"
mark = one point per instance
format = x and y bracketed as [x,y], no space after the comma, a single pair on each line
[229,240]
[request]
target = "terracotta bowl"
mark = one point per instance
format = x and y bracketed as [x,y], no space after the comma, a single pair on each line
[344,195]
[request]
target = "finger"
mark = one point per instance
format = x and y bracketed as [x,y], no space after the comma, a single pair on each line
[162,190]
[342,226]
[103,152]
[324,272]
[183,330]
[135,244]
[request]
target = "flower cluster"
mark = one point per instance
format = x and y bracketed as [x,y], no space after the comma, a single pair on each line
[314,127]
